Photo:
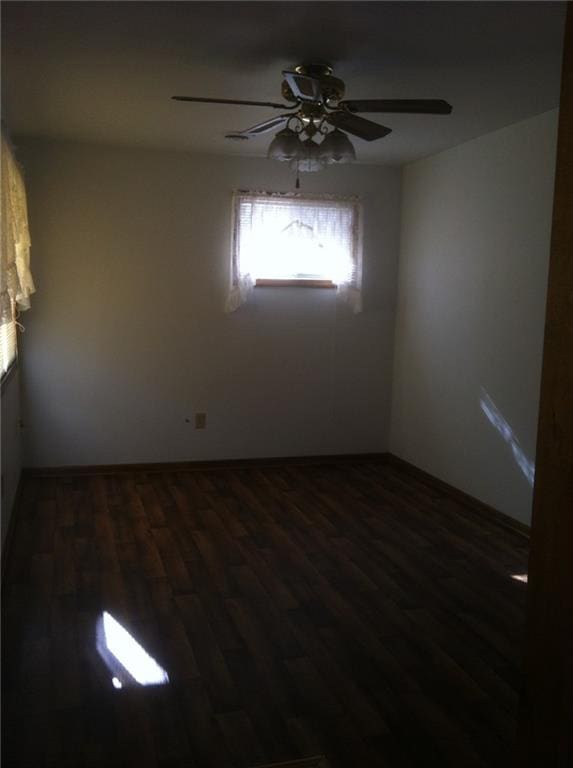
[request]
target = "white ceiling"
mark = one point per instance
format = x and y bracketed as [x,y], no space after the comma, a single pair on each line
[105,72]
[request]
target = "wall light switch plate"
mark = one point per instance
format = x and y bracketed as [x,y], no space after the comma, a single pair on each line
[200,421]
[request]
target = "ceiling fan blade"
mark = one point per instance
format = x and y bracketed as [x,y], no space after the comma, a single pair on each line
[357,126]
[255,130]
[304,87]
[234,101]
[415,106]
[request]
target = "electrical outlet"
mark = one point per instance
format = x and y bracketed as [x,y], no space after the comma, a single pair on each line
[200,421]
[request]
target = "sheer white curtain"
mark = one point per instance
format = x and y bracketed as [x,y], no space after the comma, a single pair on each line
[16,279]
[286,236]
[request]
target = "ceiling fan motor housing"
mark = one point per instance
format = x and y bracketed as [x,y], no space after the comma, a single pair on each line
[332,88]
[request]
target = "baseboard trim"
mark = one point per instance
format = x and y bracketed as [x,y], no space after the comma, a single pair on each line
[482,509]
[474,504]
[190,466]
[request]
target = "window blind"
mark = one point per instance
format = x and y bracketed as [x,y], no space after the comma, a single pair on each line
[7,345]
[282,237]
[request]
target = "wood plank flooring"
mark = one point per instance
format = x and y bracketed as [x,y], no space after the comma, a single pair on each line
[348,611]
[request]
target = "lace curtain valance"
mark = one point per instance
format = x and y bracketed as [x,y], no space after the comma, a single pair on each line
[17,284]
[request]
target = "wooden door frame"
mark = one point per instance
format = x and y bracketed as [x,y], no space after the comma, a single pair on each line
[545,732]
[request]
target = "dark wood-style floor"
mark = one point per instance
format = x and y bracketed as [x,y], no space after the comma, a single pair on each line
[342,610]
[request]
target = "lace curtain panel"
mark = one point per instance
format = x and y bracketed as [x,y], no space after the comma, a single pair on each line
[281,236]
[17,284]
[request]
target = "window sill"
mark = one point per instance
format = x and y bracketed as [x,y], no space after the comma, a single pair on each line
[268,283]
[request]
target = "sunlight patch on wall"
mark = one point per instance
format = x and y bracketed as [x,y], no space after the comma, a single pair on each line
[128,661]
[496,419]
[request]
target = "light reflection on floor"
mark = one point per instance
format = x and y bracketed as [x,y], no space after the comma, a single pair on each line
[125,658]
[519,577]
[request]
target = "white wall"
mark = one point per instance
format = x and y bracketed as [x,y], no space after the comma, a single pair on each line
[11,446]
[476,224]
[127,338]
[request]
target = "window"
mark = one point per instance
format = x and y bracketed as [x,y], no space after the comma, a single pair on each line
[7,345]
[294,240]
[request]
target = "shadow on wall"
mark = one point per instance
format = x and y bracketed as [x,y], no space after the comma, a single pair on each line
[496,419]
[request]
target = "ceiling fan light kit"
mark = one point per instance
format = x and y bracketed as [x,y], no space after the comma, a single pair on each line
[313,130]
[309,159]
[337,148]
[301,149]
[285,146]
[311,144]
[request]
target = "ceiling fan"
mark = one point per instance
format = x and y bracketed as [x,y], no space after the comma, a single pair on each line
[318,117]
